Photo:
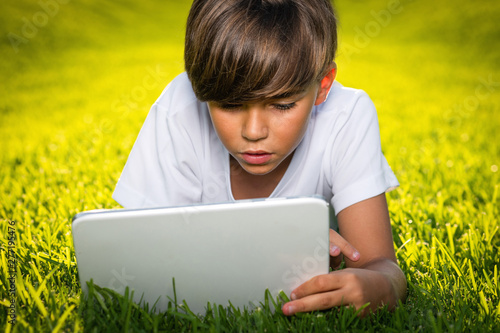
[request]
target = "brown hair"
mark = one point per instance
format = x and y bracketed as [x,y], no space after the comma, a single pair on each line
[248,50]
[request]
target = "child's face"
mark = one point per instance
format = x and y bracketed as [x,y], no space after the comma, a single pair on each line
[261,135]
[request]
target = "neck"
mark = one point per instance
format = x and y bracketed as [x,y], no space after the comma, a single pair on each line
[245,185]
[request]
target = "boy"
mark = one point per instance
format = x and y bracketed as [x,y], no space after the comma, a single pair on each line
[259,114]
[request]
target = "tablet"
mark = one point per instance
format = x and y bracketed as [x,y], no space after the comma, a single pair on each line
[217,253]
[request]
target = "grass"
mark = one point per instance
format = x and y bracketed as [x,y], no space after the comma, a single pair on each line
[75,93]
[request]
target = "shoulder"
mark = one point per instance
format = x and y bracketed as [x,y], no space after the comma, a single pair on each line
[182,117]
[346,110]
[178,107]
[343,102]
[178,96]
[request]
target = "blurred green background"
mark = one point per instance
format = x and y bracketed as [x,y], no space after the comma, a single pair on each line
[78,78]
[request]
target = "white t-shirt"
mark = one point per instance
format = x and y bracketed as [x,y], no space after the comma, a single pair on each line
[178,158]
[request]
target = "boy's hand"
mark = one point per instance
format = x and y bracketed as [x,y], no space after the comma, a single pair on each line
[326,291]
[350,286]
[339,247]
[373,277]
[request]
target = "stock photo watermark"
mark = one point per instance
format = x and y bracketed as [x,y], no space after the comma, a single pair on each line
[309,267]
[31,25]
[456,115]
[122,279]
[364,34]
[154,78]
[11,273]
[482,91]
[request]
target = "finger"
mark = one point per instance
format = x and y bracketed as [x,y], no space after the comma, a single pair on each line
[318,284]
[339,245]
[314,302]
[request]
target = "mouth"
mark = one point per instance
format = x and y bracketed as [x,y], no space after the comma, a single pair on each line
[256,157]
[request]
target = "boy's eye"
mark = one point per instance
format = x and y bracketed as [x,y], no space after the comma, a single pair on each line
[230,106]
[277,106]
[284,107]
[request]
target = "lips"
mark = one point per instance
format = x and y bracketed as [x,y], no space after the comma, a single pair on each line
[256,157]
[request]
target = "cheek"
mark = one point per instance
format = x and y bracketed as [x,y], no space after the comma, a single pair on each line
[301,129]
[224,126]
[296,127]
[290,133]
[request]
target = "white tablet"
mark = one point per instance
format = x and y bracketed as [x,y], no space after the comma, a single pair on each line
[217,253]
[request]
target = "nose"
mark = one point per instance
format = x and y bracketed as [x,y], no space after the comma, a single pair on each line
[255,126]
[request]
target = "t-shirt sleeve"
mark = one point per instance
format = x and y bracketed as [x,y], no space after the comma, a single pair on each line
[162,168]
[359,168]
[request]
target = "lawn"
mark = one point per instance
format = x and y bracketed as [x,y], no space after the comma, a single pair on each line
[78,78]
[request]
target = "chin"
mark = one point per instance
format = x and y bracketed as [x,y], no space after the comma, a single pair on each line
[258,170]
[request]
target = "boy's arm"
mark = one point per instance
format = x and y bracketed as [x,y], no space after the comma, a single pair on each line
[372,277]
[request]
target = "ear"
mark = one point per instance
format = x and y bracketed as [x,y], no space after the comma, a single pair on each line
[326,85]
